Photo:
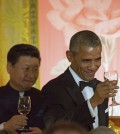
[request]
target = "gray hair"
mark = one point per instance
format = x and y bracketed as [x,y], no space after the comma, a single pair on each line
[84,38]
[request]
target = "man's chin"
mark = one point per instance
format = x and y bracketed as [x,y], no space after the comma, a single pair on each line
[25,88]
[89,78]
[28,84]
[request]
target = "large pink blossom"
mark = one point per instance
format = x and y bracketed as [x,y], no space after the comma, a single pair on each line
[70,16]
[100,16]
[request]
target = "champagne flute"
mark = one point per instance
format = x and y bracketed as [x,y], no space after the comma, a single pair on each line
[112,75]
[24,106]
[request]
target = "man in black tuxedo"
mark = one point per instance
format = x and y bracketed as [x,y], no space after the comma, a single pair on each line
[67,98]
[23,61]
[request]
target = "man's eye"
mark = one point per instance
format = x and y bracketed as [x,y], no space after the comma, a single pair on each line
[98,60]
[26,68]
[86,61]
[35,69]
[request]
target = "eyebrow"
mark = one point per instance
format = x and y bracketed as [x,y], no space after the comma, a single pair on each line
[99,58]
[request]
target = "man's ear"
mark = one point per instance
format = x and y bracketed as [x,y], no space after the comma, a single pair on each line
[69,56]
[9,67]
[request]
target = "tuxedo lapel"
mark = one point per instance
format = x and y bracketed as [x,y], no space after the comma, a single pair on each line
[76,94]
[72,88]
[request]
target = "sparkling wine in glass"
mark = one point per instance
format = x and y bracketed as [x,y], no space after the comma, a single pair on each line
[112,75]
[24,106]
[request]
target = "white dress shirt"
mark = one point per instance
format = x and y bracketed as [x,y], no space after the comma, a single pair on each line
[87,93]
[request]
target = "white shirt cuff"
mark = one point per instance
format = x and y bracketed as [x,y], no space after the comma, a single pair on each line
[92,111]
[2,126]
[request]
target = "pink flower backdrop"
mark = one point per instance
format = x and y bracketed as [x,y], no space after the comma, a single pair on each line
[60,19]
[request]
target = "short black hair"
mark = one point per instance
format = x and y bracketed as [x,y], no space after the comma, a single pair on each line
[22,50]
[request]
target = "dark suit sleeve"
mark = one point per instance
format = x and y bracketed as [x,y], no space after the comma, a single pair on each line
[2,114]
[35,116]
[58,107]
[5,112]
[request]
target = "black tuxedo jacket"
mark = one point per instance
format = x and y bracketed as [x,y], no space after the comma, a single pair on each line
[63,100]
[9,101]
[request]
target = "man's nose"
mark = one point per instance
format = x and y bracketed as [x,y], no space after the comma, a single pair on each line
[92,65]
[31,74]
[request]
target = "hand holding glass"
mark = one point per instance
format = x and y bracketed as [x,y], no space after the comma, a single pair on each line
[112,75]
[24,105]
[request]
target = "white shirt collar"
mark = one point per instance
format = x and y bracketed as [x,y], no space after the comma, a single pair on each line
[21,94]
[75,76]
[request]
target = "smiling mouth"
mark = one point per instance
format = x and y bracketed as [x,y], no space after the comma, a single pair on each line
[90,74]
[28,81]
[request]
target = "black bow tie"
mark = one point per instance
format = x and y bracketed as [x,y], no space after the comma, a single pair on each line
[91,83]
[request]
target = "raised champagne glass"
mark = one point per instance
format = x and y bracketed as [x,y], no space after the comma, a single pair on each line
[112,75]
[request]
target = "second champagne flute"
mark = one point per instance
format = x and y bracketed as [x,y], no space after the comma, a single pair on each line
[24,106]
